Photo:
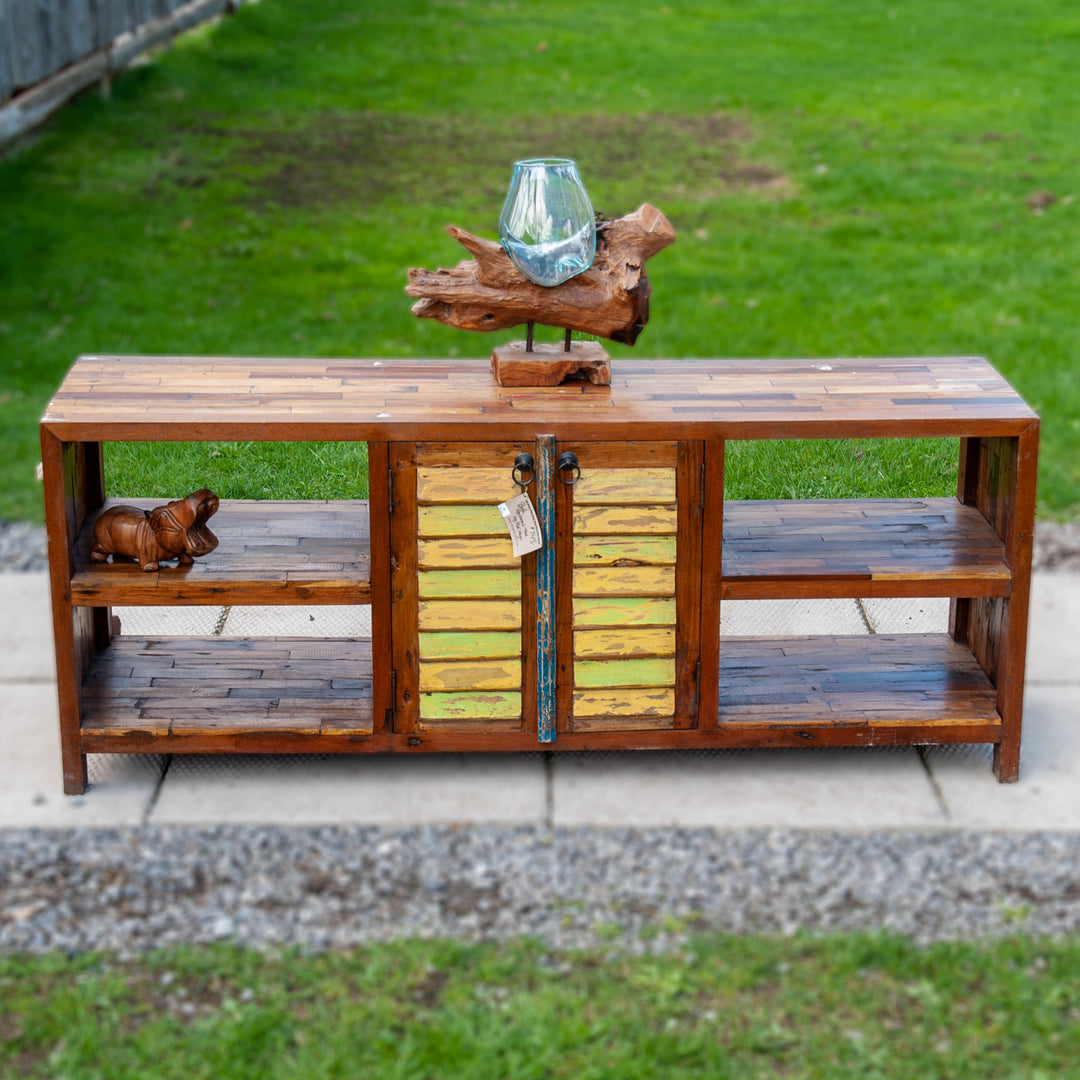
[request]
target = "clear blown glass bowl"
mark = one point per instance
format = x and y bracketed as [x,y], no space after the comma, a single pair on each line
[547,225]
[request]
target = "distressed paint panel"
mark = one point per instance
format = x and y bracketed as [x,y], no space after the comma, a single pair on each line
[624,581]
[461,520]
[647,671]
[623,611]
[470,675]
[626,520]
[494,551]
[625,486]
[493,705]
[545,590]
[620,642]
[469,615]
[469,583]
[608,550]
[469,646]
[653,702]
[465,486]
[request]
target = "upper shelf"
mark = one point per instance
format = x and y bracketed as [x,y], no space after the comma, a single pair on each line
[268,553]
[860,548]
[180,398]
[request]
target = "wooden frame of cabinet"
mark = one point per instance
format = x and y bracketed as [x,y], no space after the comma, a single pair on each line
[120,694]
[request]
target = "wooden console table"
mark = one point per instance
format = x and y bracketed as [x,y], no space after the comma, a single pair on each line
[609,636]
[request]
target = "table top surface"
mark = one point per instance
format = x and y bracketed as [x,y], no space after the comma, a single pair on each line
[170,398]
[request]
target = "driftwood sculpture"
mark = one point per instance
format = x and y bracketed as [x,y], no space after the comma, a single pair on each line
[610,300]
[175,531]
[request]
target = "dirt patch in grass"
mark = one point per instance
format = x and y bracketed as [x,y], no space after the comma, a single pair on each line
[367,157]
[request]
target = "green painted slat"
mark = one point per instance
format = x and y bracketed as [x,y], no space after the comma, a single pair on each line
[434,584]
[496,705]
[623,611]
[639,671]
[462,520]
[469,645]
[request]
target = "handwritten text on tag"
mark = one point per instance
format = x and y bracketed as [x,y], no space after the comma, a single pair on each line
[523,524]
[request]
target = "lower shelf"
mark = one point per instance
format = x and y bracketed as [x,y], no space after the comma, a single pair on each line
[227,687]
[270,695]
[865,679]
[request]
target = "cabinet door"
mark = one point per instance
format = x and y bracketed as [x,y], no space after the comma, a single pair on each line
[616,588]
[628,638]
[461,659]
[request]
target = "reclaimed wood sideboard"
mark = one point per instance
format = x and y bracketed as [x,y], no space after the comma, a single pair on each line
[609,636]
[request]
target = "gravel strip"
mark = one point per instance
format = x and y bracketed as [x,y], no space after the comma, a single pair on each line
[22,547]
[126,890]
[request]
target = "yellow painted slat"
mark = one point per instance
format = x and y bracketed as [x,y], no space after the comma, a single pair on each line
[624,581]
[625,486]
[626,520]
[470,675]
[642,671]
[469,583]
[464,486]
[651,702]
[468,553]
[623,611]
[468,646]
[470,615]
[461,520]
[493,705]
[621,641]
[608,550]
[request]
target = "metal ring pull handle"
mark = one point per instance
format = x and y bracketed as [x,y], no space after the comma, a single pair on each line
[524,470]
[569,470]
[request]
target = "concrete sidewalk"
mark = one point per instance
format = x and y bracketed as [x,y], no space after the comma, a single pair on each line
[871,789]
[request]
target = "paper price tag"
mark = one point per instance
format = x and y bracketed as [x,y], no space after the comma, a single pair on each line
[522,524]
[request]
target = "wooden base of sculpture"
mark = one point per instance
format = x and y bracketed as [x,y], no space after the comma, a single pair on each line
[551,365]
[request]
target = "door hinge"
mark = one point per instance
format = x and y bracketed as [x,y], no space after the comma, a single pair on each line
[390,488]
[702,494]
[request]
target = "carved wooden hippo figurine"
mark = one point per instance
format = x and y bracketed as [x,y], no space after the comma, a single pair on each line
[176,530]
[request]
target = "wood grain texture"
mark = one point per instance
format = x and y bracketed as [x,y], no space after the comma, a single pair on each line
[382,656]
[269,552]
[514,364]
[860,548]
[865,679]
[227,686]
[193,398]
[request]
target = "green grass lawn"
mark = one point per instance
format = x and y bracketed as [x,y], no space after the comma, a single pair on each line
[846,178]
[855,1006]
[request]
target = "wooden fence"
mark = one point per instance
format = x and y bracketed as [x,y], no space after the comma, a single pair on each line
[52,49]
